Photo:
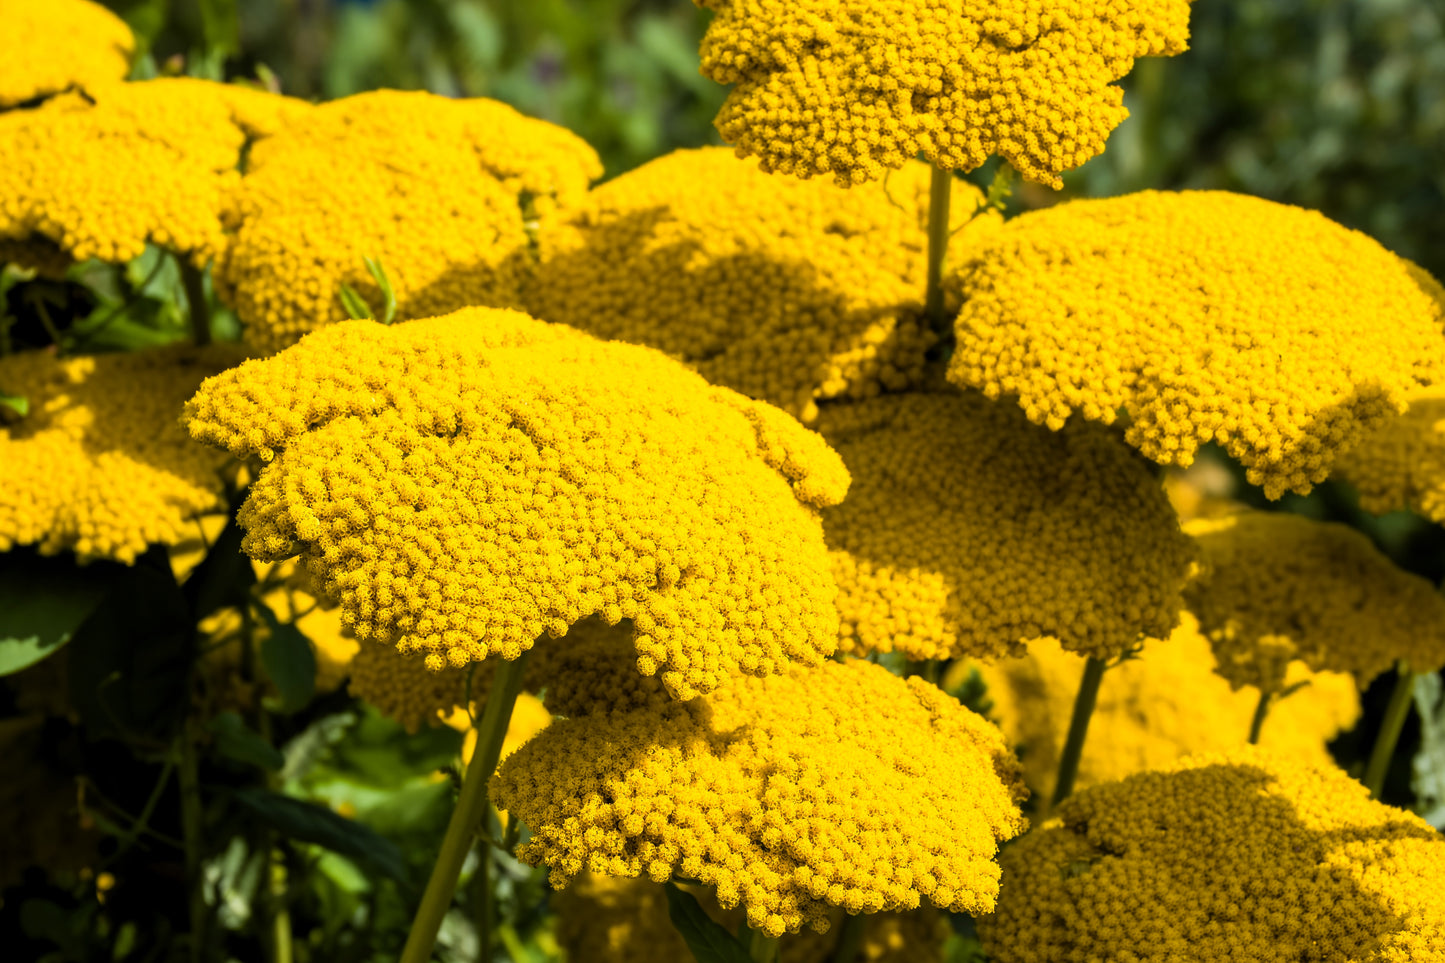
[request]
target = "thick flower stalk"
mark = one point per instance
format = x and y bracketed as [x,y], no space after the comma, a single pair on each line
[58,45]
[969,532]
[102,174]
[100,466]
[855,87]
[1248,855]
[1156,708]
[1186,312]
[1401,464]
[1276,587]
[612,919]
[790,794]
[790,291]
[436,189]
[463,484]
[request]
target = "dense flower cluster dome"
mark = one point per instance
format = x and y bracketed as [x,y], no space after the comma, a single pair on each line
[854,87]
[788,291]
[969,531]
[100,465]
[1185,311]
[62,44]
[789,793]
[1276,587]
[1401,464]
[463,484]
[1247,855]
[1156,708]
[102,173]
[614,919]
[437,189]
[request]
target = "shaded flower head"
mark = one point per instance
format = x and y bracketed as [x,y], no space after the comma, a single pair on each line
[1205,316]
[1247,855]
[789,291]
[1401,464]
[969,531]
[463,484]
[435,188]
[854,87]
[55,45]
[1276,587]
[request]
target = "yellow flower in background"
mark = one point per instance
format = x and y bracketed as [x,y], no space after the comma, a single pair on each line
[437,189]
[463,484]
[403,689]
[1401,464]
[1247,855]
[854,87]
[969,531]
[1204,316]
[1275,587]
[101,465]
[610,919]
[1154,709]
[100,174]
[791,794]
[789,291]
[55,45]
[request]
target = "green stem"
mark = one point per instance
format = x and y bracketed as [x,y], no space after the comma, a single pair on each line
[1395,714]
[280,911]
[763,948]
[1078,728]
[199,307]
[192,831]
[467,816]
[940,193]
[482,901]
[850,938]
[1260,711]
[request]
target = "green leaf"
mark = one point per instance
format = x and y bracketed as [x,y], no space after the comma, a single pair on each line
[378,274]
[708,939]
[20,406]
[1429,762]
[238,741]
[356,307]
[311,823]
[221,27]
[289,660]
[43,601]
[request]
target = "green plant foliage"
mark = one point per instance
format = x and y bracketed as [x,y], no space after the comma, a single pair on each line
[1429,762]
[708,939]
[308,822]
[238,741]
[43,601]
[289,660]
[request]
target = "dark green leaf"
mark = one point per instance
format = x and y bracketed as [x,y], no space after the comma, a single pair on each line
[43,601]
[310,823]
[223,576]
[289,660]
[708,939]
[238,741]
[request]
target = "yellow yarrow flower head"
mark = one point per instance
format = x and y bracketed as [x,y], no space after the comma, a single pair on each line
[55,45]
[103,173]
[463,484]
[1206,316]
[100,466]
[969,531]
[790,794]
[854,87]
[1246,855]
[438,190]
[1154,709]
[789,291]
[403,689]
[1401,464]
[1275,587]
[612,919]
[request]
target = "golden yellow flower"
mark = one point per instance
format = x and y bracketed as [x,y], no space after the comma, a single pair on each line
[54,45]
[790,794]
[611,919]
[1276,587]
[788,291]
[853,87]
[463,484]
[1246,855]
[100,465]
[1205,316]
[969,531]
[1154,709]
[437,189]
[1401,464]
[102,173]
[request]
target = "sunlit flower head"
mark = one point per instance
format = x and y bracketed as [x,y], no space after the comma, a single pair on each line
[56,45]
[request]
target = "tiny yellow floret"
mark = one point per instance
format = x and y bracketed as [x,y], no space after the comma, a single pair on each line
[1401,464]
[856,87]
[1204,316]
[55,45]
